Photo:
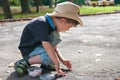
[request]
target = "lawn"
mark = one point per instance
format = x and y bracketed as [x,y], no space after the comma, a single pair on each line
[99,9]
[84,10]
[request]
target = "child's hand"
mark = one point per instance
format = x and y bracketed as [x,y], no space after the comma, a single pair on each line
[60,73]
[67,64]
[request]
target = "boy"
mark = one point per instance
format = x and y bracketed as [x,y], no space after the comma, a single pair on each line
[40,37]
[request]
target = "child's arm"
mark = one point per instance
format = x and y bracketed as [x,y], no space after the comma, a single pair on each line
[51,52]
[66,62]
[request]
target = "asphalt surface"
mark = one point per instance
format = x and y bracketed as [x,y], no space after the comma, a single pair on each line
[93,49]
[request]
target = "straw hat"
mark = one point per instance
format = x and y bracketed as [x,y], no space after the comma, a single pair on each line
[68,10]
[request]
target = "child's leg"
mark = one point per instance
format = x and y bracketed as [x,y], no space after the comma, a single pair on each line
[35,60]
[39,56]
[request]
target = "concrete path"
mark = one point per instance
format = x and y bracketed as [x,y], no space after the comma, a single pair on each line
[93,49]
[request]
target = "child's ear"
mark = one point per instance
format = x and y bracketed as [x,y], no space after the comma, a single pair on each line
[62,20]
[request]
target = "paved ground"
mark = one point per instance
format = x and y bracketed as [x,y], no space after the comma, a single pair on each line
[94,49]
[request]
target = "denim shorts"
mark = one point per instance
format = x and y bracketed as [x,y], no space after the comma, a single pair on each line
[54,39]
[39,50]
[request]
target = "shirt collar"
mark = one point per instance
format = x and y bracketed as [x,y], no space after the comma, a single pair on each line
[50,21]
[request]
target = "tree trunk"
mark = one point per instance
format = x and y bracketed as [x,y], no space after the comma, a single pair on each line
[40,3]
[55,3]
[25,6]
[50,3]
[6,9]
[37,3]
[71,0]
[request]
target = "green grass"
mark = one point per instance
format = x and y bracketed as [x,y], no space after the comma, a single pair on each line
[94,10]
[16,12]
[43,10]
[33,14]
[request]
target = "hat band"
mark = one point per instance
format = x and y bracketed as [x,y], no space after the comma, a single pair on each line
[55,11]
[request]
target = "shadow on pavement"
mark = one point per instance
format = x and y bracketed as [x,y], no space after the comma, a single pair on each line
[15,76]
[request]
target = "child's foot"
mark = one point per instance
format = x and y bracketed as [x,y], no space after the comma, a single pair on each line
[21,66]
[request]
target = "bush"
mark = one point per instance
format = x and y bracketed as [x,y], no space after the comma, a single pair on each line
[14,2]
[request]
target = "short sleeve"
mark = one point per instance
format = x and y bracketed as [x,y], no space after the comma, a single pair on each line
[54,38]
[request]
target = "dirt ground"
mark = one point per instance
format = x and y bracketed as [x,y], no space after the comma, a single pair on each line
[93,49]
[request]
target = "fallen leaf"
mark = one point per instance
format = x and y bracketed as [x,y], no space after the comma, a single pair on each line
[99,36]
[82,74]
[98,54]
[19,52]
[7,71]
[83,41]
[107,45]
[80,51]
[98,60]
[114,38]
[11,65]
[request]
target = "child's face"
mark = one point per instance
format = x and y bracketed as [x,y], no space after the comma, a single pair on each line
[63,25]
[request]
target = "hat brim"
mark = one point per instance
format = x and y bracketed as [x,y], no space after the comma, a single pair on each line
[70,16]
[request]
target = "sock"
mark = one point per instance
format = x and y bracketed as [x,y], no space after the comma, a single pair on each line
[27,61]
